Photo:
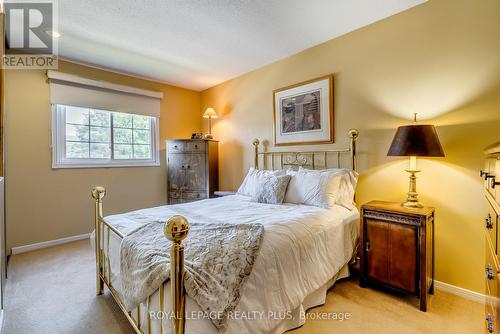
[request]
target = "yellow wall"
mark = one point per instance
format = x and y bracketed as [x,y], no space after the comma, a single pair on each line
[45,204]
[440,59]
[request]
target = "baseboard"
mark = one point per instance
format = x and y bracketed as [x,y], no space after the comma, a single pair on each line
[50,243]
[455,290]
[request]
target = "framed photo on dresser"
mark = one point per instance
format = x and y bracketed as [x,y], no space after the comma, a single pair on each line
[303,113]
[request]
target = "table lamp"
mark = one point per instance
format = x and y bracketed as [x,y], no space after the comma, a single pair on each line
[209,113]
[415,141]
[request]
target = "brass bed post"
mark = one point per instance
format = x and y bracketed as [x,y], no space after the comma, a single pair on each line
[98,194]
[176,229]
[256,158]
[353,135]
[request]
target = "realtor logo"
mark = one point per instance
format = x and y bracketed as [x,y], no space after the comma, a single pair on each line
[30,42]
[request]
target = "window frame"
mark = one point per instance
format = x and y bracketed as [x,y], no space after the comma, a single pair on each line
[59,159]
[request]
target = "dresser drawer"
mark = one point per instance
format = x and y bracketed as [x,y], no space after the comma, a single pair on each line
[196,146]
[490,319]
[193,196]
[491,226]
[491,170]
[176,146]
[491,272]
[174,194]
[177,197]
[485,172]
[496,191]
[172,201]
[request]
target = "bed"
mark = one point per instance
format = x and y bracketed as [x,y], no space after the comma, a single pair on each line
[304,250]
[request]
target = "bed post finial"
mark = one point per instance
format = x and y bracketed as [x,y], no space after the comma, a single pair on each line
[176,229]
[353,135]
[98,194]
[256,143]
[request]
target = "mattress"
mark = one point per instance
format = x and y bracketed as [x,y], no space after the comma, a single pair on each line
[305,249]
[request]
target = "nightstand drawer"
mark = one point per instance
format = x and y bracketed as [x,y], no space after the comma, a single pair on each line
[391,217]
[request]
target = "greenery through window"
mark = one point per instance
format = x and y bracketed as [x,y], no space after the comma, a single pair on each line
[99,134]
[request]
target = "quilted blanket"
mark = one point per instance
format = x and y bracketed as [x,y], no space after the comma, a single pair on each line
[219,257]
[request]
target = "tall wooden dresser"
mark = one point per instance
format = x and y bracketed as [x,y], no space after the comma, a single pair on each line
[491,177]
[192,169]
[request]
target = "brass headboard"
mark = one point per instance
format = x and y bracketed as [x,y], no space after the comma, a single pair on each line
[317,159]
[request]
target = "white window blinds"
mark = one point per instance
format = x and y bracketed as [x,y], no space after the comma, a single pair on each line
[67,89]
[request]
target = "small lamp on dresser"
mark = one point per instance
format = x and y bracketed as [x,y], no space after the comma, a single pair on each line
[210,114]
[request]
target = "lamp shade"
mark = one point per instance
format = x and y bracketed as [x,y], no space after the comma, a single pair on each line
[210,113]
[416,140]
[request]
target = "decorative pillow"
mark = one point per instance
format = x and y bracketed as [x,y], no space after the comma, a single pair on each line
[252,180]
[322,188]
[271,189]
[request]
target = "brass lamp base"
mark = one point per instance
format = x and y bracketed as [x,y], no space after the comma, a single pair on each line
[412,199]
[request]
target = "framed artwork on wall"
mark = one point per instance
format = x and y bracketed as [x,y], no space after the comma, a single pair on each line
[303,113]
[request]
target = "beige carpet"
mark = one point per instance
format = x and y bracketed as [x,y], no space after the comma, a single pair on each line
[53,291]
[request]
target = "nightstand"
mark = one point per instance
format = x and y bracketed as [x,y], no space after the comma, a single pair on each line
[397,249]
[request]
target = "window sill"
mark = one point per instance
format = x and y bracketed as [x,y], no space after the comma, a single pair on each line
[105,165]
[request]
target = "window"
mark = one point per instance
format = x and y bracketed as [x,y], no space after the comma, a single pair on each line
[86,137]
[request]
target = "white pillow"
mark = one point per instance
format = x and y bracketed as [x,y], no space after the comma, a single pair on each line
[272,189]
[254,178]
[322,188]
[347,185]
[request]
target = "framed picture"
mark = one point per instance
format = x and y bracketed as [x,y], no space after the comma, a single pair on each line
[303,113]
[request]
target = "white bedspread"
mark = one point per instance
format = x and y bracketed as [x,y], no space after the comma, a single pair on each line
[304,248]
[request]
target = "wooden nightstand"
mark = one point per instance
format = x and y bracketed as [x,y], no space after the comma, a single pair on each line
[398,248]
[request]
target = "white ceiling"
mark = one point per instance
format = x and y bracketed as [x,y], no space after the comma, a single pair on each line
[197,44]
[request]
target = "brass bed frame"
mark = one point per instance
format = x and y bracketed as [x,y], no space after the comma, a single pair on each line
[176,230]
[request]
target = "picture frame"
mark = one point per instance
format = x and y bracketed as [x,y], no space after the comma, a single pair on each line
[303,113]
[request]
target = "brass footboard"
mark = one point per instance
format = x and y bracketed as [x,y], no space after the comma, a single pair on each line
[176,230]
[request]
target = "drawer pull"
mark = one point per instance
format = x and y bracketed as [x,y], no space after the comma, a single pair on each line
[494,183]
[489,222]
[489,319]
[489,272]
[367,246]
[488,176]
[481,173]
